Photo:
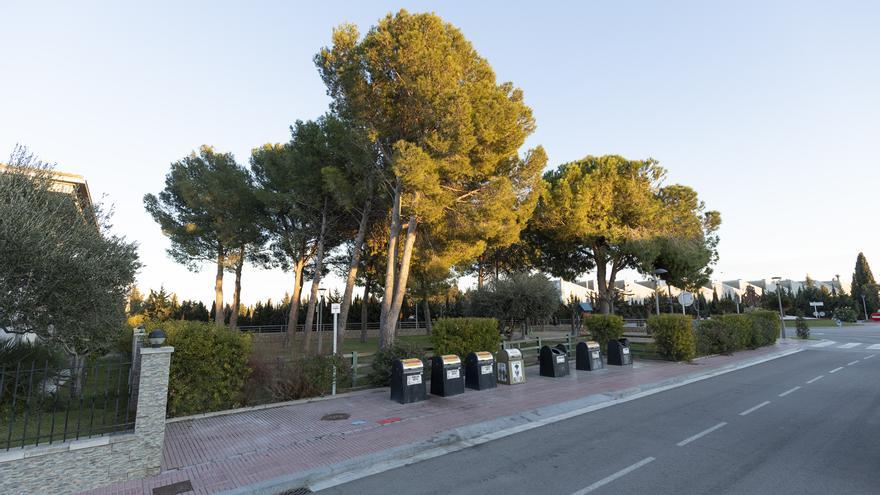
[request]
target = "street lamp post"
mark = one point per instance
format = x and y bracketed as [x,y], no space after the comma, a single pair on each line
[779,297]
[657,272]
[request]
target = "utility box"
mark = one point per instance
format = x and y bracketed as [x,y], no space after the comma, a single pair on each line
[588,356]
[407,384]
[553,362]
[446,375]
[479,371]
[510,367]
[618,352]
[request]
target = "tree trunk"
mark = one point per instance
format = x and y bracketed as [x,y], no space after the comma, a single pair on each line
[386,335]
[480,274]
[353,264]
[316,282]
[396,303]
[602,282]
[219,315]
[236,295]
[293,314]
[428,326]
[365,306]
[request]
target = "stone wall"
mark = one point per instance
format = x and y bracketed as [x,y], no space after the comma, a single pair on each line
[80,465]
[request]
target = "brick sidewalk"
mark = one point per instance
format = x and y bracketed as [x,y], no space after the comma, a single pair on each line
[228,451]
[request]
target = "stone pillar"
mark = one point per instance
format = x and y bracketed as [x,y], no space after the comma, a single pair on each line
[149,425]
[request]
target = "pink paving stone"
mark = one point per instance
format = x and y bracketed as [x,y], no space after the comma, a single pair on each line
[229,451]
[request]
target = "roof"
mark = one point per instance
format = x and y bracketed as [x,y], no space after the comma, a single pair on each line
[68,183]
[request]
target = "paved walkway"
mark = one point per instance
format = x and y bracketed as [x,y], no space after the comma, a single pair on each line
[224,452]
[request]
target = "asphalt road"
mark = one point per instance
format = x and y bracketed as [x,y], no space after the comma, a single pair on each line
[775,428]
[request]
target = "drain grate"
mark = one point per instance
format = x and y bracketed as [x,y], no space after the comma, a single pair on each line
[297,491]
[335,416]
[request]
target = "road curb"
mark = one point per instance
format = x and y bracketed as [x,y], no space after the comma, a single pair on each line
[467,436]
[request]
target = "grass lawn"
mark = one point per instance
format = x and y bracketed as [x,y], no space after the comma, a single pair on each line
[817,323]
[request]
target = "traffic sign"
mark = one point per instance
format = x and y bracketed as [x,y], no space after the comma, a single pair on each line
[334,308]
[685,298]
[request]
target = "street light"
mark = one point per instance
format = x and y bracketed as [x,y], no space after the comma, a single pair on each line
[779,297]
[659,271]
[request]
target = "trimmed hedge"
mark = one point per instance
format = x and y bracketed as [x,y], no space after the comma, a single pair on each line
[673,336]
[728,333]
[209,367]
[603,328]
[461,336]
[380,368]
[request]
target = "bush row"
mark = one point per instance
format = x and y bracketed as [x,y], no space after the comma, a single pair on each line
[603,328]
[678,339]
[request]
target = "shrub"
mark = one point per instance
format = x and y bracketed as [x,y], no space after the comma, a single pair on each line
[715,336]
[380,368]
[208,368]
[803,330]
[461,336]
[766,327]
[845,313]
[311,376]
[603,328]
[674,336]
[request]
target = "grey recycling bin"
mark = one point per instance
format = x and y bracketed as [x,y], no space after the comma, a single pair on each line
[511,368]
[588,356]
[552,362]
[407,384]
[479,371]
[618,352]
[446,375]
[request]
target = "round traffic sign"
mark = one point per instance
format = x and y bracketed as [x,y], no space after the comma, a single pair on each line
[686,298]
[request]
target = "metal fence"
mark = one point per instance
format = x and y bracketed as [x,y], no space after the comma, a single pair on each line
[42,404]
[328,327]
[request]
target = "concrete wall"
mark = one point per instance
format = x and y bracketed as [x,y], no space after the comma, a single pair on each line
[80,465]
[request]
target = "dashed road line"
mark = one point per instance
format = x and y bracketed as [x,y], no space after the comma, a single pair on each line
[824,343]
[700,434]
[874,347]
[623,472]
[815,379]
[753,409]
[852,362]
[835,370]
[783,394]
[850,345]
[869,357]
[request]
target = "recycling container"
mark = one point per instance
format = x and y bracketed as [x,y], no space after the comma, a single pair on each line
[407,384]
[588,356]
[552,362]
[479,371]
[618,352]
[510,367]
[446,375]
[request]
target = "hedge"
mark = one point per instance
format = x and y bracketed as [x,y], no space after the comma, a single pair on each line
[209,367]
[728,333]
[674,336]
[603,328]
[461,336]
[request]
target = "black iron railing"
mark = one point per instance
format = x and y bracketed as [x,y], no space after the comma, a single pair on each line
[41,404]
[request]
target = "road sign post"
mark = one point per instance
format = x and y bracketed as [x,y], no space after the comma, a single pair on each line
[334,308]
[816,305]
[685,299]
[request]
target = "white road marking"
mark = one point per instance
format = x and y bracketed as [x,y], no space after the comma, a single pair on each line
[700,434]
[824,343]
[835,370]
[783,394]
[874,346]
[869,357]
[852,363]
[619,474]
[753,409]
[815,379]
[850,345]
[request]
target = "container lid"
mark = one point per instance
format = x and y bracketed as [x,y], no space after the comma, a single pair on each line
[450,359]
[483,356]
[592,343]
[413,363]
[513,353]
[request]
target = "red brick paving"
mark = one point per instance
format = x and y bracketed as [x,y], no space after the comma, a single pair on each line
[224,452]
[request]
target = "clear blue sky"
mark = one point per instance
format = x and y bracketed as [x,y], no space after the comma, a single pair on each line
[769,109]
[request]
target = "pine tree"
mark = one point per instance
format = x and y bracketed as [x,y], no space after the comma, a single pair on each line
[863,284]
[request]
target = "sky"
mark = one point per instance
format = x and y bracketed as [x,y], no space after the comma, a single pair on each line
[769,110]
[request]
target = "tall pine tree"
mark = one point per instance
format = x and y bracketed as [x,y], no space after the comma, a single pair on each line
[863,284]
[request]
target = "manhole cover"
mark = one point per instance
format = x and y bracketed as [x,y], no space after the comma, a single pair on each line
[335,416]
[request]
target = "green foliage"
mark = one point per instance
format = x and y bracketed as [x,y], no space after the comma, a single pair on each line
[603,328]
[845,313]
[674,336]
[864,284]
[63,275]
[301,378]
[516,298]
[208,368]
[719,336]
[766,326]
[461,336]
[803,330]
[380,368]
